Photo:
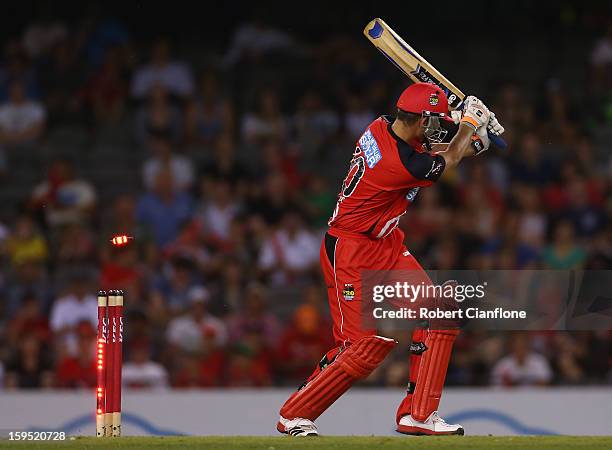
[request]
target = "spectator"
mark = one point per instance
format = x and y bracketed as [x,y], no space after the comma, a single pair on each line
[174,75]
[428,217]
[218,211]
[266,122]
[27,278]
[179,286]
[4,235]
[141,333]
[569,358]
[22,120]
[305,340]
[587,218]
[530,166]
[31,366]
[249,362]
[27,244]
[202,370]
[318,201]
[482,202]
[564,253]
[189,244]
[254,314]
[315,124]
[158,117]
[523,367]
[277,158]
[63,198]
[230,287]
[42,35]
[210,115]
[290,253]
[163,209]
[100,34]
[75,245]
[601,61]
[141,372]
[121,219]
[17,69]
[255,40]
[204,365]
[122,268]
[533,222]
[29,320]
[106,90]
[79,371]
[190,331]
[60,80]
[271,199]
[224,164]
[163,158]
[77,305]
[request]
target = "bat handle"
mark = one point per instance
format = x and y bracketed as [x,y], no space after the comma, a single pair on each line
[497,141]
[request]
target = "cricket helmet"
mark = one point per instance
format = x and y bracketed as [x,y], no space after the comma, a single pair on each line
[423,97]
[430,102]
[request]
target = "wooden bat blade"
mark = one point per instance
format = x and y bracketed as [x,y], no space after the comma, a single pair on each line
[408,60]
[414,66]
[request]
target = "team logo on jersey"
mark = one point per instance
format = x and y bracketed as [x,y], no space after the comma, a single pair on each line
[436,169]
[348,292]
[370,149]
[412,193]
[433,99]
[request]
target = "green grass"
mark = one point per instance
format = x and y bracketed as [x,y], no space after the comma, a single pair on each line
[339,443]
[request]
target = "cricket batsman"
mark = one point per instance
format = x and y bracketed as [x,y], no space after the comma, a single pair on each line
[393,159]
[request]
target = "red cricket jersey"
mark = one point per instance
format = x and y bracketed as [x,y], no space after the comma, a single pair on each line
[385,176]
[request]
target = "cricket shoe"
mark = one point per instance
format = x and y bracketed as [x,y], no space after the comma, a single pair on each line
[297,427]
[433,426]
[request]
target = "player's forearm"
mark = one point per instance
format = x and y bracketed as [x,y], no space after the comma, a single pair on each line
[459,147]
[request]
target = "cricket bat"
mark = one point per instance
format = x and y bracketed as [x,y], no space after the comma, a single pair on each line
[414,66]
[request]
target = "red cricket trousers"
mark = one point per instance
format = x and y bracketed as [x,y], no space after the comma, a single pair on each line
[344,260]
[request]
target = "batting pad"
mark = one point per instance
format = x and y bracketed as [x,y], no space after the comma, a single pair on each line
[417,348]
[432,373]
[354,363]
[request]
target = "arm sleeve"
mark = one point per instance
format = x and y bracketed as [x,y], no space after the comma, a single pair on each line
[421,165]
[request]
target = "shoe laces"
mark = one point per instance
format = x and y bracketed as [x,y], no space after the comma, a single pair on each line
[306,424]
[308,427]
[435,417]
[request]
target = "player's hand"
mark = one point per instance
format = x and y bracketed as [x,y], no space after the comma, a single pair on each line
[456,115]
[480,140]
[494,126]
[475,113]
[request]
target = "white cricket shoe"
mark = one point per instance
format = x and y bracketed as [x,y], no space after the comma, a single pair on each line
[297,427]
[434,425]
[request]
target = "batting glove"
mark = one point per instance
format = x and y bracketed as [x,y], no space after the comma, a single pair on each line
[475,113]
[494,126]
[456,115]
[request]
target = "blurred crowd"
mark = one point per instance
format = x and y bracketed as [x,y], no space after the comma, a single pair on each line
[239,155]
